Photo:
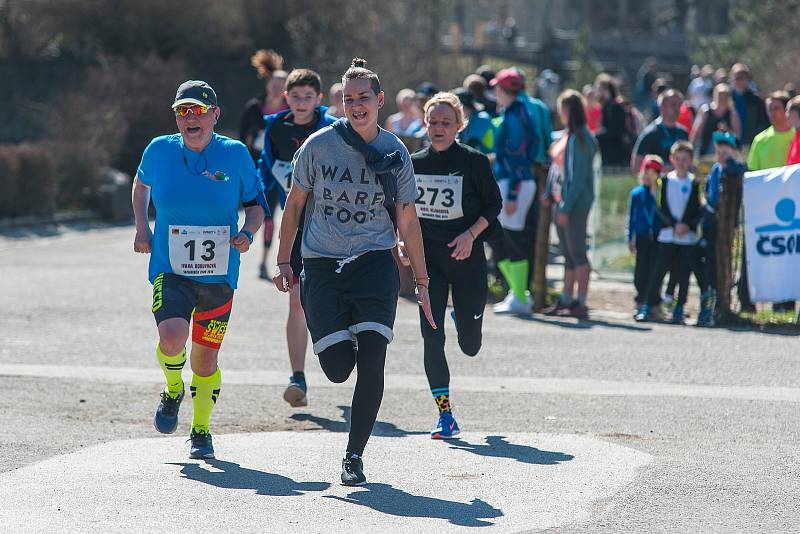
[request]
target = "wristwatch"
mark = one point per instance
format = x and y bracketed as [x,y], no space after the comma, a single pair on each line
[247,233]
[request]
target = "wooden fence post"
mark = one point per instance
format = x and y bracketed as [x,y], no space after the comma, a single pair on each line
[727,214]
[542,246]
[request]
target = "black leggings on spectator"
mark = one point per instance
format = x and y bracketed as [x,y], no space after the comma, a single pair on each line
[338,361]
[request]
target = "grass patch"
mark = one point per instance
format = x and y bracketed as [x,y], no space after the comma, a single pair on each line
[612,206]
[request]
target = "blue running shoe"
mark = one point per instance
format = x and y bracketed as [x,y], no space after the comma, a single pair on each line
[202,448]
[166,420]
[643,315]
[446,428]
[295,393]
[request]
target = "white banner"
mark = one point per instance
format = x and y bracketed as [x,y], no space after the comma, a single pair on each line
[772,233]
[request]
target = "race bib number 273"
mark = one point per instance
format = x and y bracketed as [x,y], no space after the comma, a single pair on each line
[199,250]
[439,197]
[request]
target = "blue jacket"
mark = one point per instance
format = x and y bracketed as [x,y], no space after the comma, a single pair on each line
[713,187]
[544,126]
[641,213]
[267,160]
[517,144]
[479,132]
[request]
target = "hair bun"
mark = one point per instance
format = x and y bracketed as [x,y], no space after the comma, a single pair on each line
[359,63]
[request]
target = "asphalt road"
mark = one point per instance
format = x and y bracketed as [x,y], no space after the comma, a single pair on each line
[657,428]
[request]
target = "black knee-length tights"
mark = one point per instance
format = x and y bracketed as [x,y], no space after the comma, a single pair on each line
[338,361]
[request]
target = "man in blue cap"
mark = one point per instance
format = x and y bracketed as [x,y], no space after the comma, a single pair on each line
[197,180]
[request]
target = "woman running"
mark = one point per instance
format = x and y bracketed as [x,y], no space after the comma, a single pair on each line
[458,199]
[355,181]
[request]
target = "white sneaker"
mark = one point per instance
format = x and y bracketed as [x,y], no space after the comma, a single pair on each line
[503,305]
[514,306]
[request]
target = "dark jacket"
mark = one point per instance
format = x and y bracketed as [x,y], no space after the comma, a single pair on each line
[267,160]
[755,119]
[480,195]
[693,213]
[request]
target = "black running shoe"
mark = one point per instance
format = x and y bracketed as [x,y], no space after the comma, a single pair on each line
[202,447]
[166,420]
[352,470]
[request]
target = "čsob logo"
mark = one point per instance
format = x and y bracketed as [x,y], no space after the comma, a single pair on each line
[773,239]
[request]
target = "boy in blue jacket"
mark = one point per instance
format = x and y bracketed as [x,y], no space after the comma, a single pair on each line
[640,231]
[284,133]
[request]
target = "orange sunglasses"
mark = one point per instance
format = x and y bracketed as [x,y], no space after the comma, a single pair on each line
[194,109]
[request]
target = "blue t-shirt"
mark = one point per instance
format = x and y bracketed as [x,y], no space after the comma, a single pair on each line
[197,195]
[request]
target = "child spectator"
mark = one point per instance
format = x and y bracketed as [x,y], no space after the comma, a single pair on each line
[679,211]
[641,213]
[727,168]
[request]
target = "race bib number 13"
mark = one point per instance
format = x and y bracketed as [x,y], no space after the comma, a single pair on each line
[199,250]
[439,197]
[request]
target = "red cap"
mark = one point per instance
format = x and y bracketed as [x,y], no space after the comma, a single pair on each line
[651,162]
[509,79]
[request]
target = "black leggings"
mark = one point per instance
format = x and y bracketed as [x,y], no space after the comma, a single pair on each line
[338,361]
[468,280]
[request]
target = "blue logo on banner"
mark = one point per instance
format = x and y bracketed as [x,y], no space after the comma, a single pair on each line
[776,245]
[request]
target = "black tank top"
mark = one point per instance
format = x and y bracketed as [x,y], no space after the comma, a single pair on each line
[712,123]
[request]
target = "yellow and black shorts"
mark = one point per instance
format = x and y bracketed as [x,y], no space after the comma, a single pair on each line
[206,306]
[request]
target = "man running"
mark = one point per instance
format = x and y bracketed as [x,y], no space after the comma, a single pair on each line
[197,180]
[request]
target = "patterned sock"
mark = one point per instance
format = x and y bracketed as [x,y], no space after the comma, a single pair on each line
[172,367]
[442,398]
[205,390]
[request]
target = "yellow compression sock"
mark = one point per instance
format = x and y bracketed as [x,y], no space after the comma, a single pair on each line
[172,367]
[205,390]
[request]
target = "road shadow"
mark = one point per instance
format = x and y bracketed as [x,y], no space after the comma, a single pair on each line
[392,501]
[499,447]
[582,324]
[381,428]
[231,475]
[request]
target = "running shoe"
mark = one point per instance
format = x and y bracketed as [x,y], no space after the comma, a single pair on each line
[579,311]
[643,315]
[295,393]
[352,470]
[202,447]
[446,428]
[556,308]
[263,272]
[166,420]
[512,305]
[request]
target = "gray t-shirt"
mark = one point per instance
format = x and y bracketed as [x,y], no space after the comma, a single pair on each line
[345,215]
